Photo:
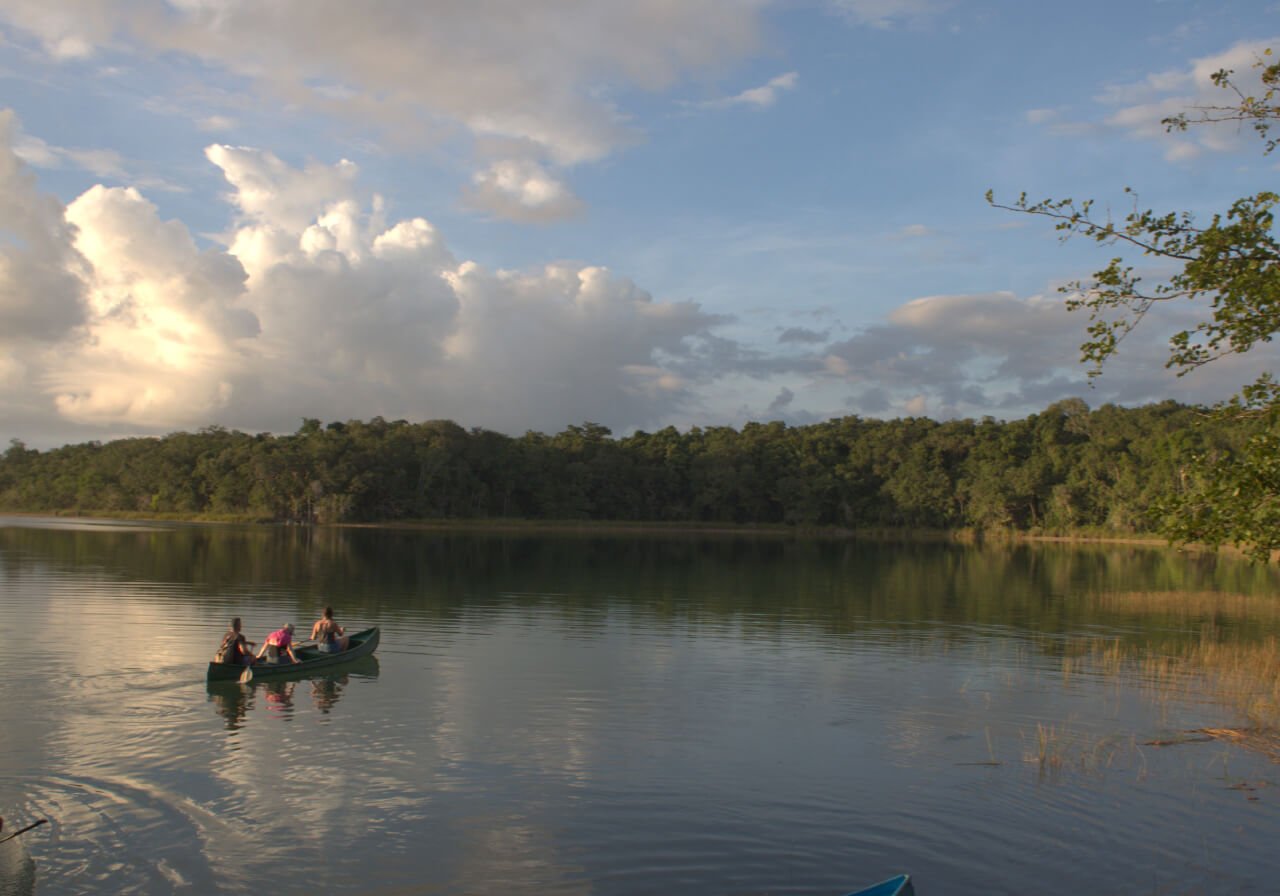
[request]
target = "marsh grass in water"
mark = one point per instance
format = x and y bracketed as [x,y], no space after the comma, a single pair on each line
[1235,669]
[1190,604]
[1218,658]
[1053,749]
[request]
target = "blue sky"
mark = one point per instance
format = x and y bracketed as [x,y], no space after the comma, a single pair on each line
[526,215]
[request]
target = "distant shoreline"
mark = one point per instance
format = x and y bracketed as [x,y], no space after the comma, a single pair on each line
[624,527]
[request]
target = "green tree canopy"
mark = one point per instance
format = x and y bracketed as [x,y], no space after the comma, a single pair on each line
[1229,265]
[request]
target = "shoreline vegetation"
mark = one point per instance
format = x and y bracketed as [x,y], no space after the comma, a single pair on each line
[1068,474]
[622,527]
[1214,678]
[1235,667]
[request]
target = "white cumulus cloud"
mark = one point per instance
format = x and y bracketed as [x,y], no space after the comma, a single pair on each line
[317,305]
[1139,108]
[888,13]
[522,190]
[965,355]
[762,96]
[166,318]
[41,294]
[539,72]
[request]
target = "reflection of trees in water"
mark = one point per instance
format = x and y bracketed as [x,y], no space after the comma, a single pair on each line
[839,586]
[434,570]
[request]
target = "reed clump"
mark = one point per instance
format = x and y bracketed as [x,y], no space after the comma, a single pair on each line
[1241,674]
[1246,675]
[1053,749]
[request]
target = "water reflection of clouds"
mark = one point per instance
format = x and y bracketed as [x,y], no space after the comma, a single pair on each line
[516,853]
[102,664]
[295,776]
[525,743]
[122,700]
[99,625]
[557,733]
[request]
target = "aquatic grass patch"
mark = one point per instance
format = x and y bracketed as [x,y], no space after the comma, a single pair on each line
[1215,667]
[1229,666]
[1053,748]
[1243,676]
[1191,604]
[1212,661]
[1246,675]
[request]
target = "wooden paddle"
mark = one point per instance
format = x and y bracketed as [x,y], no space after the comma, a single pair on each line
[24,830]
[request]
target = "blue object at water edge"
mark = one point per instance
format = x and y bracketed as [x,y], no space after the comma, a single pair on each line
[894,886]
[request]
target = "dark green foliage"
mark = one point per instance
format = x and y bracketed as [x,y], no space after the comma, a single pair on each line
[1230,266]
[1065,469]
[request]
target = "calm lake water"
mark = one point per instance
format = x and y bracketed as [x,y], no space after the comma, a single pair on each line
[623,715]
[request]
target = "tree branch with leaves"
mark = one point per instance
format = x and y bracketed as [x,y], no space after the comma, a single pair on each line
[1231,265]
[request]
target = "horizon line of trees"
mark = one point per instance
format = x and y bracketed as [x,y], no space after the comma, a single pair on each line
[1066,468]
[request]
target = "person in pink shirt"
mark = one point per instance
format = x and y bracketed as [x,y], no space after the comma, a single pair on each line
[279,641]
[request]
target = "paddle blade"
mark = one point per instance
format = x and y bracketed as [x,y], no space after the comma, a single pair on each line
[247,675]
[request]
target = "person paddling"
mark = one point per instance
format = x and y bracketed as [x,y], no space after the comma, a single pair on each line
[235,647]
[281,640]
[328,635]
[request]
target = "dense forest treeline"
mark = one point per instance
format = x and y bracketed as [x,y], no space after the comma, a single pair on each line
[1068,468]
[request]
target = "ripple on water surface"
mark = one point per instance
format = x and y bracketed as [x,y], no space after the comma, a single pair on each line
[552,720]
[114,835]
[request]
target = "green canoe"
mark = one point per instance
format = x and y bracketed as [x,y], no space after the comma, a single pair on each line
[361,644]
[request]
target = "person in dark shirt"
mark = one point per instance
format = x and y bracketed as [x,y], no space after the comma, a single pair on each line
[235,647]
